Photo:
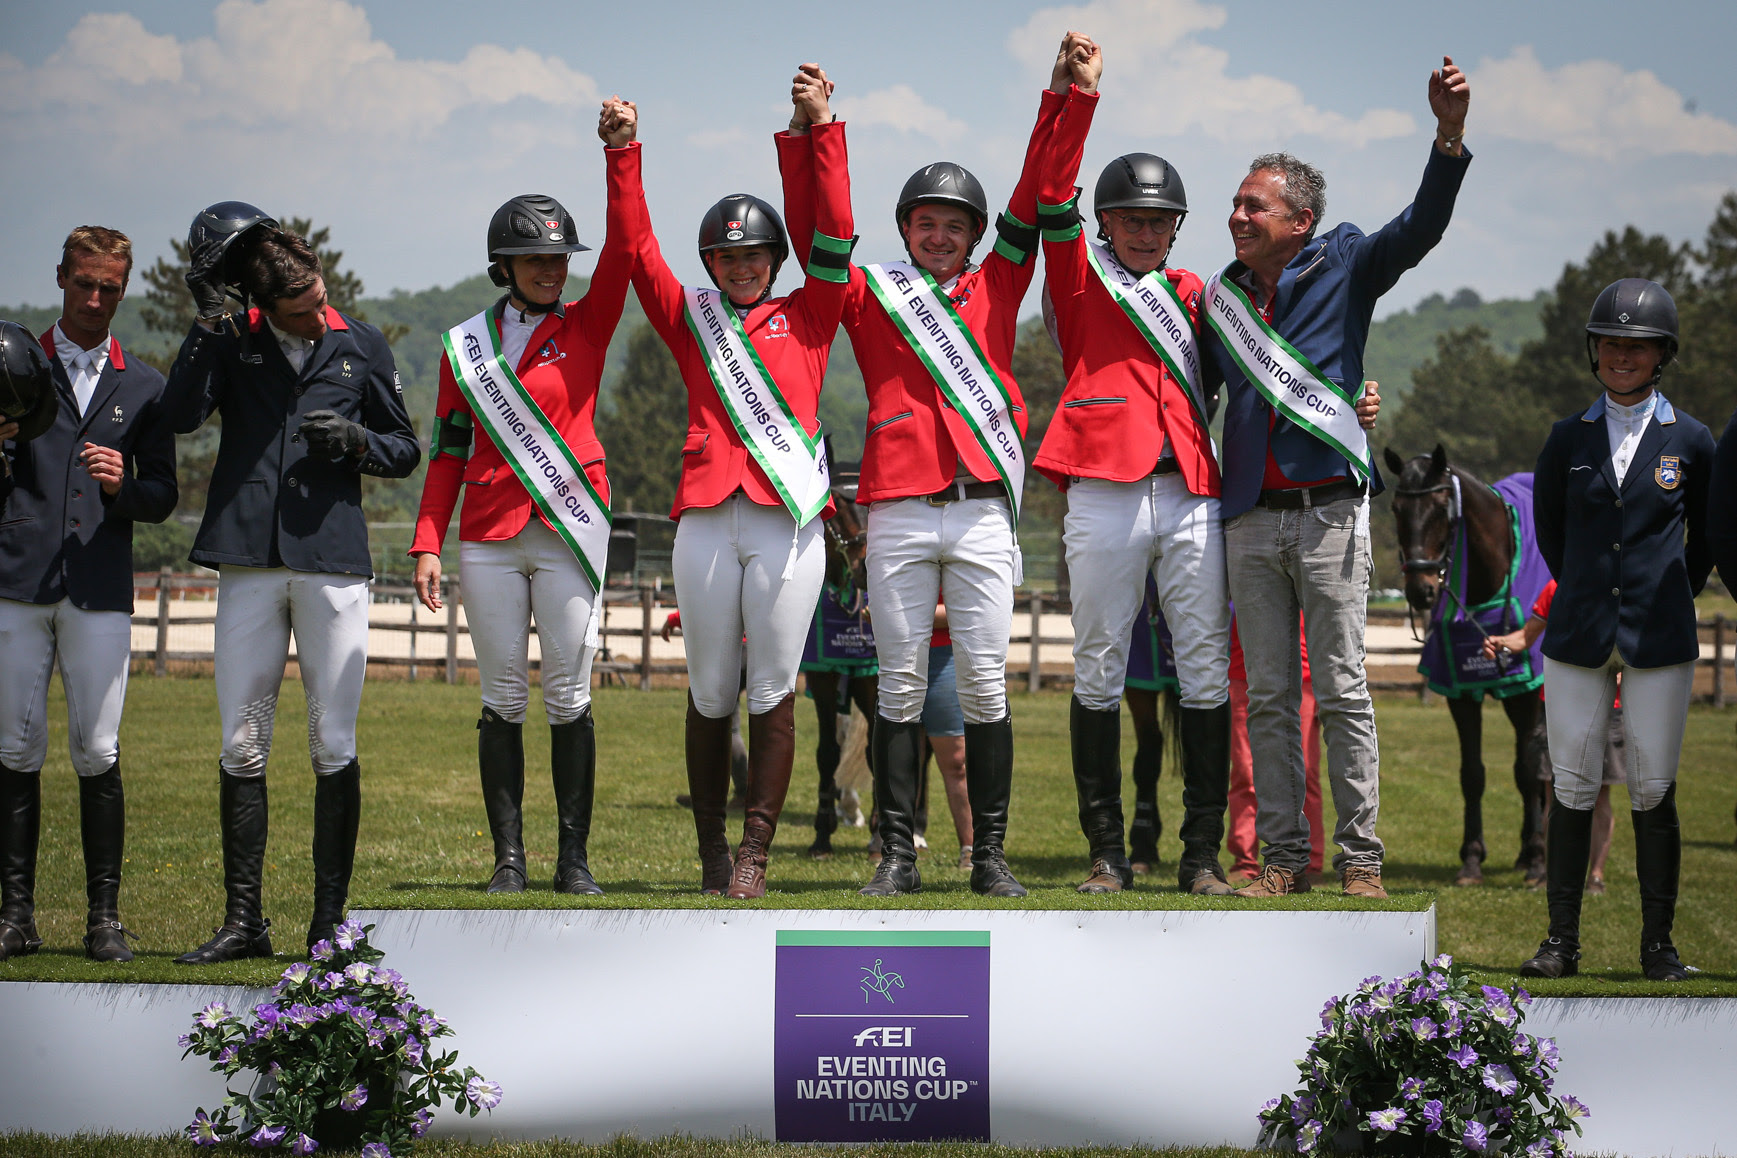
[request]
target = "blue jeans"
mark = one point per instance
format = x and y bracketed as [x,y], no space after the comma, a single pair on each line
[1316,560]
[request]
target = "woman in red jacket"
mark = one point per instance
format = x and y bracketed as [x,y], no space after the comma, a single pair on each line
[749,554]
[520,383]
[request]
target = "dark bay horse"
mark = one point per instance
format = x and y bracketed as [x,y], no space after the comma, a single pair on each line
[843,599]
[1457,545]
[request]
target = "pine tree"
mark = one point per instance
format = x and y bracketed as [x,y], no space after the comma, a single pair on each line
[645,426]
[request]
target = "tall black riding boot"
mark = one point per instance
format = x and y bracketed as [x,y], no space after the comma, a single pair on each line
[827,754]
[1097,751]
[102,822]
[1658,862]
[708,759]
[1148,825]
[897,757]
[242,807]
[573,763]
[1568,849]
[1205,796]
[337,815]
[20,828]
[500,755]
[989,783]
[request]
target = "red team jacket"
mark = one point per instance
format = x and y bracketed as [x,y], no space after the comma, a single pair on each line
[1120,401]
[792,334]
[915,442]
[561,367]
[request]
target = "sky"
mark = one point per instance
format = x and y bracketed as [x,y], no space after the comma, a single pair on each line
[403,124]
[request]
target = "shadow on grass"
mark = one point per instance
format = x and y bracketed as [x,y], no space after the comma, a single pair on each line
[1714,845]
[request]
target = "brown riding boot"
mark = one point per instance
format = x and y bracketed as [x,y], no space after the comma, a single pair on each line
[708,759]
[771,753]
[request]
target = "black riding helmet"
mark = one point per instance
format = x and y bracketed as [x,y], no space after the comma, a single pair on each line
[944,183]
[741,220]
[529,223]
[227,222]
[1139,181]
[1633,308]
[26,382]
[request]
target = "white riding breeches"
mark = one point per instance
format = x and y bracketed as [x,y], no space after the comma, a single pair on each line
[1655,712]
[729,563]
[257,610]
[1114,534]
[962,552]
[506,581]
[93,648]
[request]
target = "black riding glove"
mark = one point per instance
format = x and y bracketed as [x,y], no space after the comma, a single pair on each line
[334,437]
[209,298]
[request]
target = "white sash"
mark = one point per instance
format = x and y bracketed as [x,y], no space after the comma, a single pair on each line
[1285,378]
[793,461]
[1158,312]
[966,379]
[529,442]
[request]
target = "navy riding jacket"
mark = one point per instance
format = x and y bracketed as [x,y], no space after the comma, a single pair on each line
[61,537]
[1630,559]
[1325,300]
[271,503]
[1722,506]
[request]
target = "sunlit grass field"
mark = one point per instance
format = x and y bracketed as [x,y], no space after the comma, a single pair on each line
[424,840]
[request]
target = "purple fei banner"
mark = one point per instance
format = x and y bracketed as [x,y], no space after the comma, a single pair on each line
[881,1036]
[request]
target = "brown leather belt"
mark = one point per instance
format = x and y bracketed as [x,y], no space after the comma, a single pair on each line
[1304,498]
[965,490]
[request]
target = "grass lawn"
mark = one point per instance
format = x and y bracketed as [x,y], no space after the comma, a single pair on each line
[424,841]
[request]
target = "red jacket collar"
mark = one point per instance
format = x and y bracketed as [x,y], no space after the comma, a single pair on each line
[256,319]
[115,356]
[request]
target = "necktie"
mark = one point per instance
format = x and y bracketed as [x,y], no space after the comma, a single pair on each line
[84,381]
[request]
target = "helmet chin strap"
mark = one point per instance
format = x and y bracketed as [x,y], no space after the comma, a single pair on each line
[521,300]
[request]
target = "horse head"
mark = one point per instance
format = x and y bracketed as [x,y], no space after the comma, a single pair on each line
[1424,507]
[847,550]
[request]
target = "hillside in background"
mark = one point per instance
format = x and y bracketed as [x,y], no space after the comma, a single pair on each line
[1401,342]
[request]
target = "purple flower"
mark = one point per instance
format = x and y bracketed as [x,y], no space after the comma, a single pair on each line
[349,935]
[1500,1079]
[1268,1107]
[1494,997]
[302,1143]
[1308,1136]
[358,972]
[227,1055]
[355,1099]
[185,1041]
[430,1024]
[1504,1115]
[266,1137]
[376,1036]
[376,1150]
[393,1025]
[483,1093]
[1424,1028]
[413,1052]
[1548,1053]
[419,1123]
[294,975]
[1522,998]
[1431,1111]
[322,951]
[1522,1045]
[1387,1120]
[267,1013]
[1442,961]
[1411,1089]
[212,1015]
[201,1131]
[1327,1015]
[1301,1109]
[1575,1107]
[1465,1056]
[1476,1137]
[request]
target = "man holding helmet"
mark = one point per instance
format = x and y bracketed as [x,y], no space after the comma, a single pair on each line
[90,454]
[1129,445]
[942,473]
[310,401]
[1620,504]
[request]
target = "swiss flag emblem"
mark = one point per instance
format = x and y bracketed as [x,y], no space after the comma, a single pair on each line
[738,225]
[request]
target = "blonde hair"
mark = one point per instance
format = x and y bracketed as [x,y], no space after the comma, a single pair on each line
[99,241]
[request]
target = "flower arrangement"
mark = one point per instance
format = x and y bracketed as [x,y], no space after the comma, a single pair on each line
[345,1057]
[1429,1063]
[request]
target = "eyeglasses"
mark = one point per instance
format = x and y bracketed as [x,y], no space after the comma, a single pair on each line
[1138,223]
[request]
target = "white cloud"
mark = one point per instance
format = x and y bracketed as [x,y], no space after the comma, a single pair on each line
[1594,109]
[899,107]
[1185,85]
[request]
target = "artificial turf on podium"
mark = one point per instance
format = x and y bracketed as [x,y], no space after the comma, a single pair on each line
[424,843]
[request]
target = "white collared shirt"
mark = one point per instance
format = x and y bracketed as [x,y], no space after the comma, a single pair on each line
[83,367]
[294,348]
[516,331]
[1625,425]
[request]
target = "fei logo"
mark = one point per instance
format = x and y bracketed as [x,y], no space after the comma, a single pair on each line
[896,1050]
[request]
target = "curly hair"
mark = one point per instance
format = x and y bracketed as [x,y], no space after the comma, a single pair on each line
[279,265]
[1305,188]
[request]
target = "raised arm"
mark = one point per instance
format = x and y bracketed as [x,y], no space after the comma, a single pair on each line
[1078,67]
[823,247]
[1009,266]
[618,127]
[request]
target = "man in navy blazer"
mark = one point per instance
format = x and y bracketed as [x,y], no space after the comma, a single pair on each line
[311,402]
[1620,506]
[68,501]
[1294,505]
